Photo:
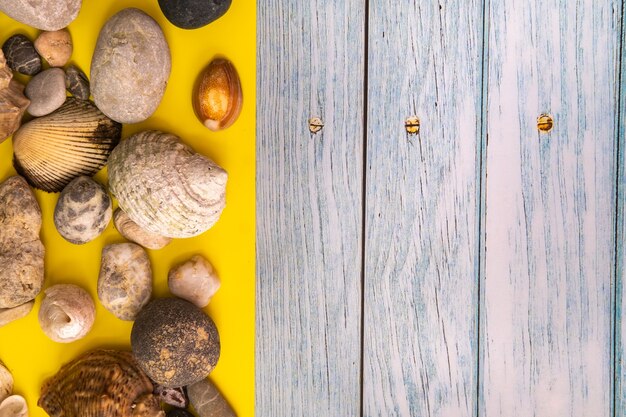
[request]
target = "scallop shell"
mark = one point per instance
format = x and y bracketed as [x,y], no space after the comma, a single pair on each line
[74,140]
[164,186]
[67,313]
[100,383]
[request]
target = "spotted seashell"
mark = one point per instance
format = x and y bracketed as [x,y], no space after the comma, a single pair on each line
[74,140]
[164,186]
[100,383]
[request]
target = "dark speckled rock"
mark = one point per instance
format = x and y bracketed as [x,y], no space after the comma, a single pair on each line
[193,14]
[21,55]
[174,342]
[77,83]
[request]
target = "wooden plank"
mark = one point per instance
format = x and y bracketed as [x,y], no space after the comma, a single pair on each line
[422,209]
[620,304]
[546,346]
[309,207]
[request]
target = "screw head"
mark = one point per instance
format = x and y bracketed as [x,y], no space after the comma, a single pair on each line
[412,125]
[545,123]
[315,124]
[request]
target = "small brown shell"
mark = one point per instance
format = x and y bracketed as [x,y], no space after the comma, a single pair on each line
[74,140]
[100,383]
[217,98]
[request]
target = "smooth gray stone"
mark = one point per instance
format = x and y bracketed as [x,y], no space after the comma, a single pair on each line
[130,67]
[46,92]
[42,14]
[207,400]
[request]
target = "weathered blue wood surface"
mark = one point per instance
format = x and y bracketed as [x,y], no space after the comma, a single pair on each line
[308,350]
[550,209]
[422,209]
[489,262]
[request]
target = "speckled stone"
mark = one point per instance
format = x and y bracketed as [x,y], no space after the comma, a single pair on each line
[193,14]
[174,342]
[77,83]
[42,14]
[83,210]
[55,47]
[125,280]
[46,92]
[21,55]
[130,67]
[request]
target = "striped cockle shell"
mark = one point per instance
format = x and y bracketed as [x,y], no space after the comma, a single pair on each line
[164,186]
[74,140]
[100,383]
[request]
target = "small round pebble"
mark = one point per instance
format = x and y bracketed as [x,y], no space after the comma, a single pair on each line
[46,92]
[193,14]
[125,280]
[77,83]
[195,281]
[83,210]
[179,412]
[55,47]
[21,55]
[174,342]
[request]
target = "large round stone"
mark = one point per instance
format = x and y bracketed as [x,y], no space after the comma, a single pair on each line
[193,14]
[42,14]
[130,67]
[174,342]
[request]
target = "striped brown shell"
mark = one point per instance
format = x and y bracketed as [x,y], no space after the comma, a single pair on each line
[74,140]
[100,383]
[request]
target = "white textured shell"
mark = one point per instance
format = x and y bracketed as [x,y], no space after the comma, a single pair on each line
[6,382]
[67,313]
[14,406]
[165,187]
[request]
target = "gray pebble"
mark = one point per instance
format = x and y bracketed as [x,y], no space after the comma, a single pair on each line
[46,92]
[77,83]
[42,14]
[21,55]
[83,210]
[130,67]
[179,412]
[208,401]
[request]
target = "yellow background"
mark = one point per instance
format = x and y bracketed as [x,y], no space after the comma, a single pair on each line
[229,245]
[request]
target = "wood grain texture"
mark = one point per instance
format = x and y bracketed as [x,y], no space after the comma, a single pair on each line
[620,304]
[422,208]
[309,208]
[550,209]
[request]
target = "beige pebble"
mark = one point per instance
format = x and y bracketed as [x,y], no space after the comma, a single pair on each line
[7,315]
[195,281]
[55,47]
[14,406]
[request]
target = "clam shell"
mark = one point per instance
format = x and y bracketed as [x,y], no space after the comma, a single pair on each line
[100,383]
[74,140]
[164,186]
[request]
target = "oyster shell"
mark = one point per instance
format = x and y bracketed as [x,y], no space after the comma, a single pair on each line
[100,383]
[74,140]
[164,186]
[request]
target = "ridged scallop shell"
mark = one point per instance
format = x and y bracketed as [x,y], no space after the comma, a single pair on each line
[164,186]
[100,383]
[74,140]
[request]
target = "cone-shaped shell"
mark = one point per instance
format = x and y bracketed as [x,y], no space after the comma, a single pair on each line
[74,140]
[100,383]
[164,186]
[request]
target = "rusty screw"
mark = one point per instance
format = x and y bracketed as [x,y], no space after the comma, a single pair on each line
[545,123]
[412,125]
[315,124]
